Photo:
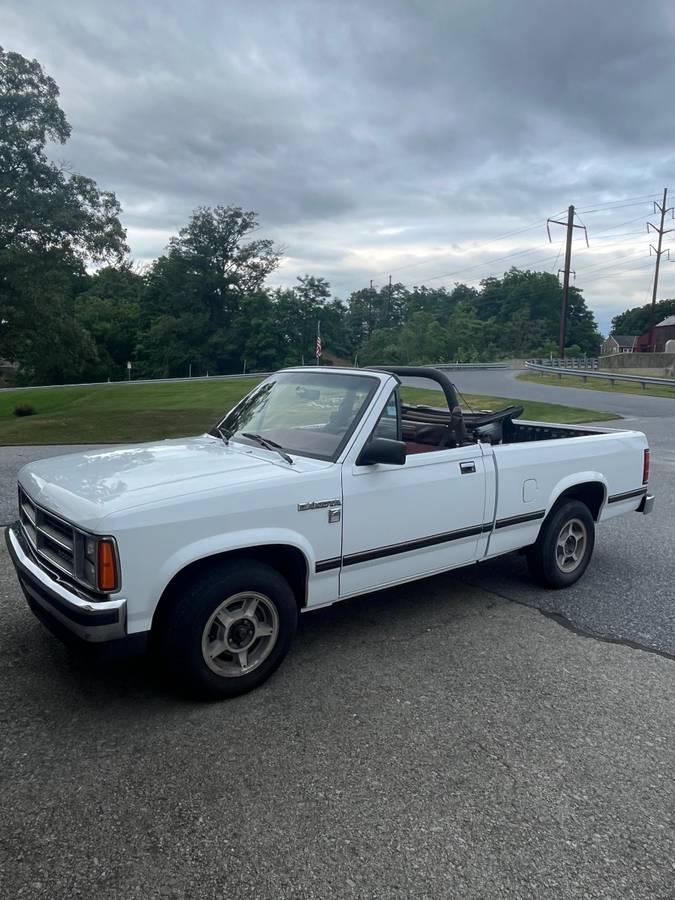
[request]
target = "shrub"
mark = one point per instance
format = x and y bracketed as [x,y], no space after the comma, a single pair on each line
[24,409]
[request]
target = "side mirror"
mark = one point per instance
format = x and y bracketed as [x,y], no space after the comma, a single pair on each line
[382,450]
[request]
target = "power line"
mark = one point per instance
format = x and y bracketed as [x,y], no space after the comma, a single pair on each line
[597,275]
[639,218]
[487,267]
[620,200]
[484,246]
[606,265]
[557,257]
[481,264]
[631,260]
[609,207]
[618,234]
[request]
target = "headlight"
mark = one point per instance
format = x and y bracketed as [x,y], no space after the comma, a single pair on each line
[89,562]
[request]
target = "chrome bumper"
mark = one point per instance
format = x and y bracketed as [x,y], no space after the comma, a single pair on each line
[91,621]
[646,504]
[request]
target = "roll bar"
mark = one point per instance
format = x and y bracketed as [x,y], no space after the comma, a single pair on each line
[436,375]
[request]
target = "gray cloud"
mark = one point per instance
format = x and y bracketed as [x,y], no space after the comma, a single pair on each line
[374,136]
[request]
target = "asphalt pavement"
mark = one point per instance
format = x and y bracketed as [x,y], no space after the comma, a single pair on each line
[430,741]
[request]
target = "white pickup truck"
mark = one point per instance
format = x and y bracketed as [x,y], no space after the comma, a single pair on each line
[321,484]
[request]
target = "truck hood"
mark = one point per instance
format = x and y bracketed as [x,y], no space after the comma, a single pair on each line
[85,487]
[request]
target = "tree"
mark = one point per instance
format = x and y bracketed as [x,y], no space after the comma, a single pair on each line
[582,329]
[110,309]
[514,315]
[638,319]
[197,294]
[39,325]
[52,223]
[312,292]
[42,206]
[539,293]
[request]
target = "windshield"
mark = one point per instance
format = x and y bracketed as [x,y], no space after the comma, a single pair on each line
[311,414]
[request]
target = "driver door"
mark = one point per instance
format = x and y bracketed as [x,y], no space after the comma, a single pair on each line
[404,522]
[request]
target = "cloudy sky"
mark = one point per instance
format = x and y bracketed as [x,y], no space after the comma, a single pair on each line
[426,138]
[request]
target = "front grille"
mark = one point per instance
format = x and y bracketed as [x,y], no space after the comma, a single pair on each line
[50,537]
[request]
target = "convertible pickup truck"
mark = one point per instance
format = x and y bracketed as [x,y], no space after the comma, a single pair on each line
[321,484]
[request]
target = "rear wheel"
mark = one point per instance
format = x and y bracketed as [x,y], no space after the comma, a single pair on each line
[229,629]
[564,547]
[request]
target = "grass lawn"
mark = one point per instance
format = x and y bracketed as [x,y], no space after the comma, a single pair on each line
[139,412]
[620,387]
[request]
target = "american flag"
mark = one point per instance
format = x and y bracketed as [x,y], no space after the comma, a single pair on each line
[318,340]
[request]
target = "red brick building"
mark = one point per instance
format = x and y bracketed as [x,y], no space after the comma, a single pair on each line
[662,332]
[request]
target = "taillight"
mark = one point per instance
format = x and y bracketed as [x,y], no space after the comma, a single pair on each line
[107,566]
[645,467]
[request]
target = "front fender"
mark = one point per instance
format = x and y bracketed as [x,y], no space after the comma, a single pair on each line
[227,542]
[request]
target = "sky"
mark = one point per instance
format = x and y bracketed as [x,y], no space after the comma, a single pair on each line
[426,139]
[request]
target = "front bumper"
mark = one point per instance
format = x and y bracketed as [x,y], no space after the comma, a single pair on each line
[47,597]
[646,504]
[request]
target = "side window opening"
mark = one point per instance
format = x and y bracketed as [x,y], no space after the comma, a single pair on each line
[389,424]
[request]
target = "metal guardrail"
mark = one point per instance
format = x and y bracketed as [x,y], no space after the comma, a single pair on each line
[42,387]
[460,366]
[612,377]
[46,387]
[570,362]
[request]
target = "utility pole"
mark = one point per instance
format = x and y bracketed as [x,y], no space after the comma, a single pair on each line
[389,305]
[658,250]
[570,225]
[370,309]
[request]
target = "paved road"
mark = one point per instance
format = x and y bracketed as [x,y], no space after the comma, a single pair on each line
[505,383]
[431,741]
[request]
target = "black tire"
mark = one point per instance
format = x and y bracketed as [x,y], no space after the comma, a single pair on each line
[546,559]
[183,638]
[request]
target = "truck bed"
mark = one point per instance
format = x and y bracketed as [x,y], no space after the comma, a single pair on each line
[424,426]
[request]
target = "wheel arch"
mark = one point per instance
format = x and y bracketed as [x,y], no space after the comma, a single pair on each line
[287,559]
[589,488]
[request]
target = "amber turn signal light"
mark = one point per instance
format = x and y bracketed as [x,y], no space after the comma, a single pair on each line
[107,566]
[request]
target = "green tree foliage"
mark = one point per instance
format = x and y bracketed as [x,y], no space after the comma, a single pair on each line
[52,223]
[194,311]
[110,310]
[42,206]
[39,325]
[513,316]
[638,319]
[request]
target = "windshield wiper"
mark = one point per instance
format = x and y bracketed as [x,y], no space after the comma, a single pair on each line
[267,444]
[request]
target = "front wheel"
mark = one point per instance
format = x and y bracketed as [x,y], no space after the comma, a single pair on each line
[229,629]
[564,547]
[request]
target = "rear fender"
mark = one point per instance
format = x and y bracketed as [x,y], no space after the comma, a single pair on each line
[578,479]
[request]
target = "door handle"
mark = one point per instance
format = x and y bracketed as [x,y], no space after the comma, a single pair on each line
[467,468]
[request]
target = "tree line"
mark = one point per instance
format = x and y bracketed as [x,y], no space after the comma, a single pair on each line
[638,319]
[74,307]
